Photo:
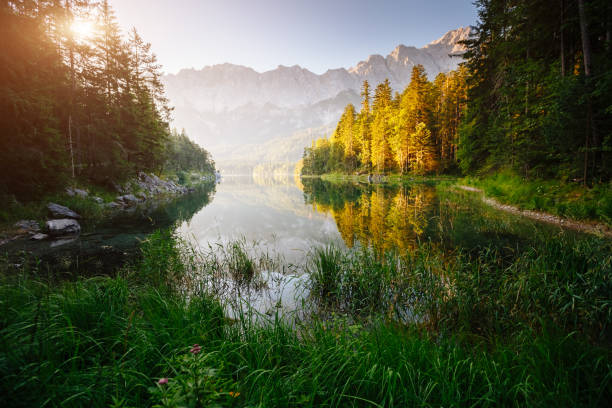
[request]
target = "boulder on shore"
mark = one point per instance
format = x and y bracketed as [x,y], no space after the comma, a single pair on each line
[113,205]
[28,225]
[62,227]
[128,199]
[59,211]
[76,192]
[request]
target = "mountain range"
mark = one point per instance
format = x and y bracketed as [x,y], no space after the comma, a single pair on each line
[246,117]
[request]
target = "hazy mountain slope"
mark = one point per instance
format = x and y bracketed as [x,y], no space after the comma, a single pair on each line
[229,108]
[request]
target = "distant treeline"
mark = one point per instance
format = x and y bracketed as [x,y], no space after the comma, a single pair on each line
[532,96]
[183,154]
[80,105]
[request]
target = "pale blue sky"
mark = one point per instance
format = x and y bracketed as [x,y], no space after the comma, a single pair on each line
[315,34]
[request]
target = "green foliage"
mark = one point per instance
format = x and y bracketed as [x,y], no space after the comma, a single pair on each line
[240,265]
[414,132]
[532,106]
[477,330]
[91,109]
[196,383]
[565,199]
[184,155]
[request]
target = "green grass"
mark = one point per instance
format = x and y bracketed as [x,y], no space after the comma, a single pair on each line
[565,199]
[530,331]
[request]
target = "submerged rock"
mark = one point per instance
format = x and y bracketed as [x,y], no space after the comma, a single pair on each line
[62,227]
[39,237]
[59,211]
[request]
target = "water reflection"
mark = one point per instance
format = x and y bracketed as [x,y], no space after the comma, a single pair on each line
[381,217]
[271,213]
[401,217]
[103,248]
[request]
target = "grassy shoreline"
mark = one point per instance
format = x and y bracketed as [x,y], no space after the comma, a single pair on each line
[532,330]
[569,200]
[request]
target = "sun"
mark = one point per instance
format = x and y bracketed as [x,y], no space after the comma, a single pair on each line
[82,29]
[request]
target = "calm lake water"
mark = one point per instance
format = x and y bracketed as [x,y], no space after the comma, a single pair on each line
[285,219]
[269,215]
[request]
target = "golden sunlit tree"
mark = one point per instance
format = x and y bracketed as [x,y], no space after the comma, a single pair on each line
[424,155]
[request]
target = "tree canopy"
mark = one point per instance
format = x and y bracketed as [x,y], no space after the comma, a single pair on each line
[78,105]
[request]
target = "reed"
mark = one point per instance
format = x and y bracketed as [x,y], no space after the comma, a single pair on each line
[480,331]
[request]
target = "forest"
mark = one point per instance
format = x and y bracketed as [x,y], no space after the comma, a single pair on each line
[532,98]
[79,100]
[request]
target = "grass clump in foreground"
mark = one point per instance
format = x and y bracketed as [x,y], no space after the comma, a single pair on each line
[501,336]
[564,199]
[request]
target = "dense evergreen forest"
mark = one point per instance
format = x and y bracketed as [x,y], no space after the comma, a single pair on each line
[533,96]
[80,104]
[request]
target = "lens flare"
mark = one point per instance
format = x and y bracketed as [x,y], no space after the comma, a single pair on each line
[82,29]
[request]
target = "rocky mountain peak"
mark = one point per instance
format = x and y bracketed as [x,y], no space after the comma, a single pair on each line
[451,40]
[227,104]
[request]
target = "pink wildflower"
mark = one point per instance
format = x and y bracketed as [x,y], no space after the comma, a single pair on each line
[162,381]
[195,349]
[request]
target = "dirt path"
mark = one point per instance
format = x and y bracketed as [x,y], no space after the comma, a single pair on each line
[589,227]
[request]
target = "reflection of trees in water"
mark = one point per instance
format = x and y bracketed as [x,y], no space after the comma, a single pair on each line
[164,214]
[382,217]
[114,242]
[184,208]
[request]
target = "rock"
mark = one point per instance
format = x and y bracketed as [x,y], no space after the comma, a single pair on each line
[119,188]
[59,211]
[28,225]
[141,196]
[39,237]
[128,199]
[61,227]
[76,192]
[98,200]
[114,205]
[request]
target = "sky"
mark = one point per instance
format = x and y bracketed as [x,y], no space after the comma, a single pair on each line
[262,34]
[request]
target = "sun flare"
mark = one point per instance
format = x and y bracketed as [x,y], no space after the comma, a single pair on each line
[82,28]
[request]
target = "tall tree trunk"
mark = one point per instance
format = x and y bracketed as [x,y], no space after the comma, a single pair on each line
[586,55]
[562,37]
[586,44]
[72,87]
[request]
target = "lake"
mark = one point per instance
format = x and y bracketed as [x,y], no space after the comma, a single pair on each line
[279,221]
[287,218]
